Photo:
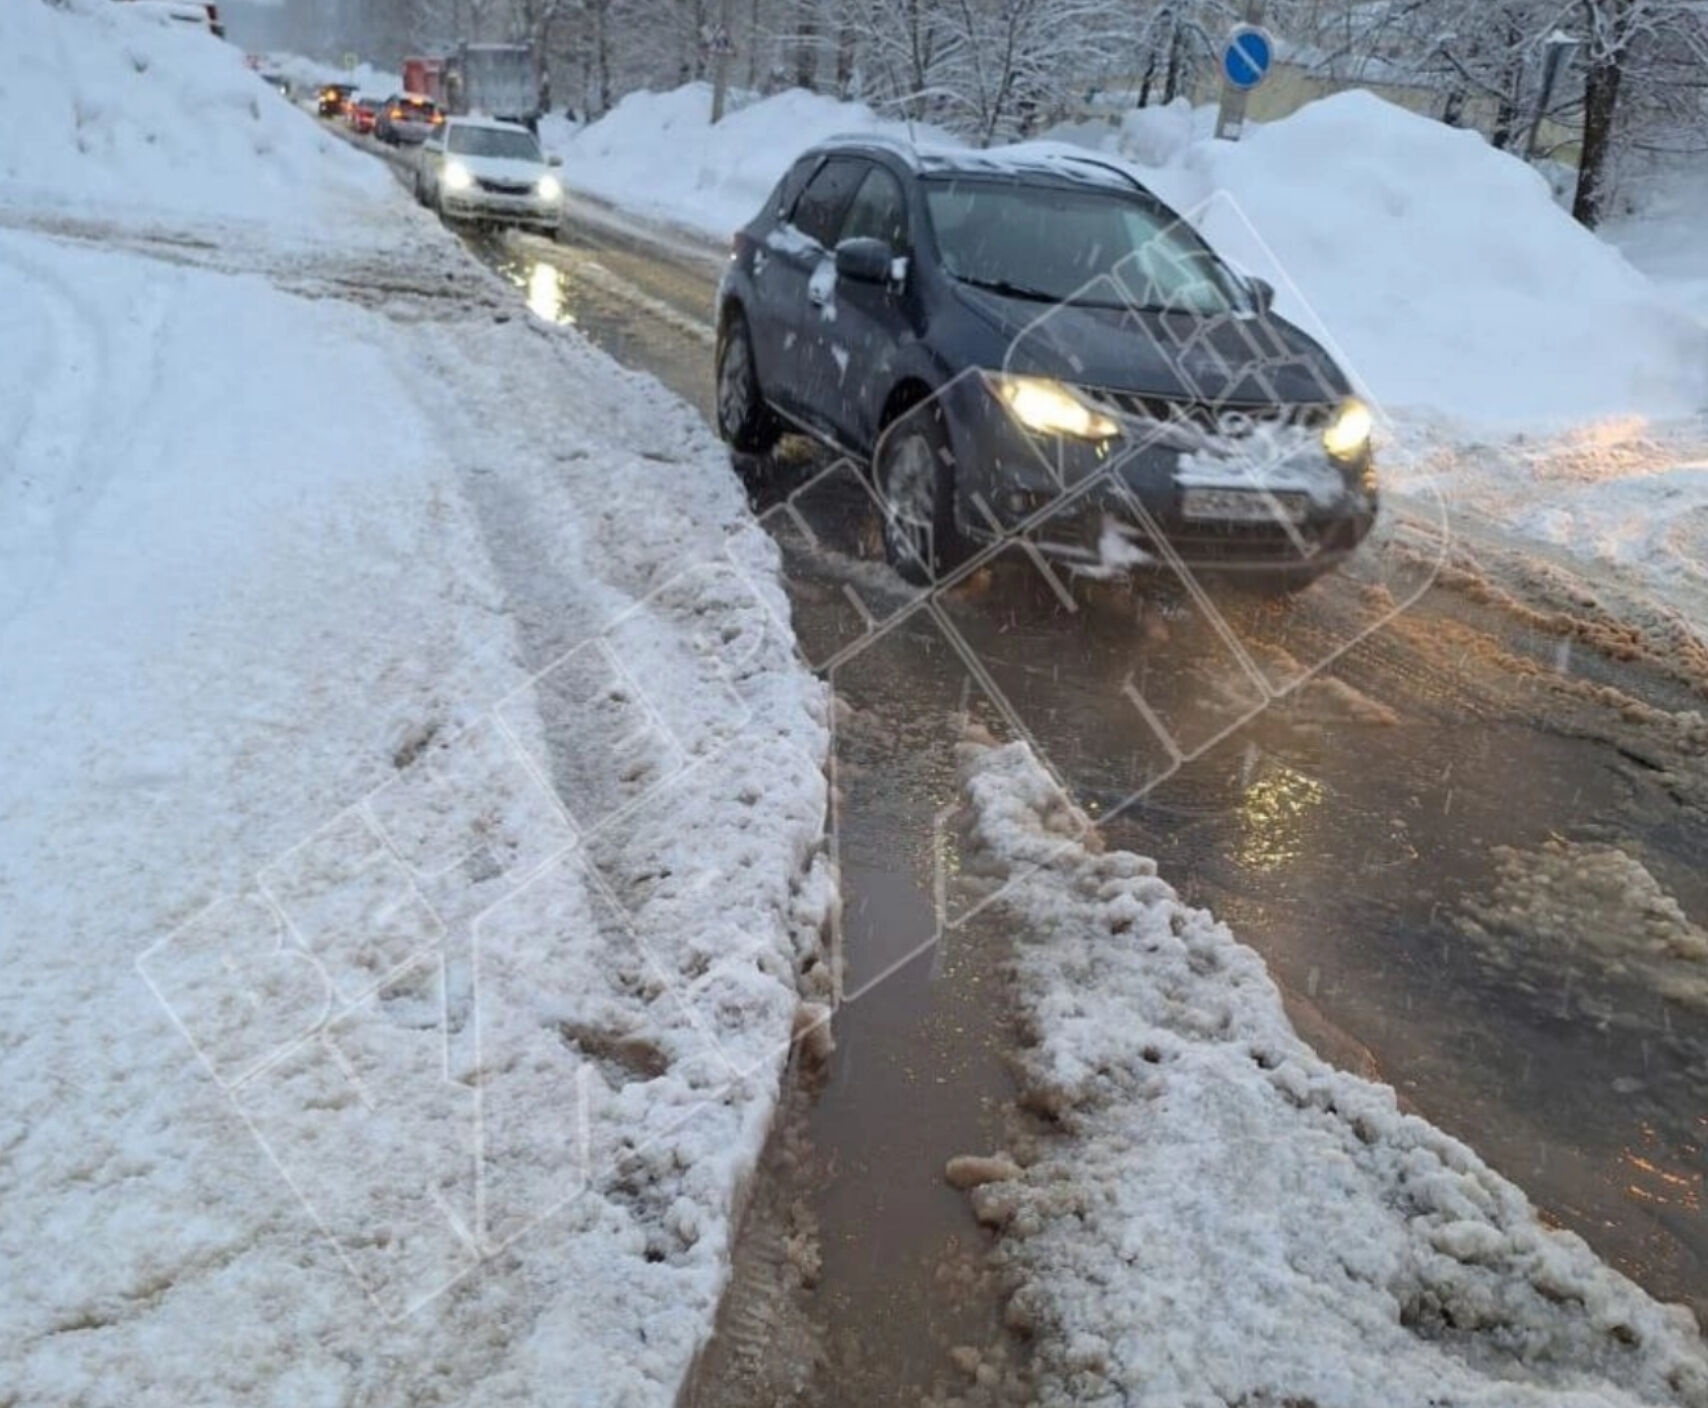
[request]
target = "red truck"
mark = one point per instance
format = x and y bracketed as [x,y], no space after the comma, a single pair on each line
[426,77]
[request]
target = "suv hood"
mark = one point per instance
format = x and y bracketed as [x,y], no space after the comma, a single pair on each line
[1181,356]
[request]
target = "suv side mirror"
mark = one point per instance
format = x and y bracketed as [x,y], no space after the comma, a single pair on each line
[1262,294]
[863,260]
[554,160]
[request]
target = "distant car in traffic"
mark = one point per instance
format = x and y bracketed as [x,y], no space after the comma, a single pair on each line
[333,97]
[991,333]
[481,169]
[360,113]
[407,119]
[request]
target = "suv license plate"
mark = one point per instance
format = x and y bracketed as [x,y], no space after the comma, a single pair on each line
[1241,506]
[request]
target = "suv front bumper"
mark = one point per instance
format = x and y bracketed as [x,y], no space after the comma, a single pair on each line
[1102,507]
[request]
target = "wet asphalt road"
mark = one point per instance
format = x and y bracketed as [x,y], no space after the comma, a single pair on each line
[1333,778]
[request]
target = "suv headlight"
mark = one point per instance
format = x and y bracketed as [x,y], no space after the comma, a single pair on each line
[1347,436]
[550,188]
[457,177]
[1050,407]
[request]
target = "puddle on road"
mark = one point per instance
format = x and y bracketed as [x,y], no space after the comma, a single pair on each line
[920,1073]
[563,284]
[903,1286]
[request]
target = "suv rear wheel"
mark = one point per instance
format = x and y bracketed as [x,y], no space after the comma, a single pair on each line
[744,420]
[915,473]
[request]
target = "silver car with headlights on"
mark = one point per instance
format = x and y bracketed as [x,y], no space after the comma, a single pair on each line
[480,169]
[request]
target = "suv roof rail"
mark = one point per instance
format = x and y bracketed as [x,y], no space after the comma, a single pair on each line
[901,145]
[1073,158]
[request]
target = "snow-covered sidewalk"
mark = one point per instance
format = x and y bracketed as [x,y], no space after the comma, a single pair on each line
[411,803]
[1225,1218]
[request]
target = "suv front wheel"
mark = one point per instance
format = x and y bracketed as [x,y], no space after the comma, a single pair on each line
[914,469]
[744,420]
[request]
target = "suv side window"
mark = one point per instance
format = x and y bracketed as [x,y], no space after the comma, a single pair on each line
[819,210]
[878,211]
[790,187]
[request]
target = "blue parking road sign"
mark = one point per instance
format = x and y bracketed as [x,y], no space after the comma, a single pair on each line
[1247,58]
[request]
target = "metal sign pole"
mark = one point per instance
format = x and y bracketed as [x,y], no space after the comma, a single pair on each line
[1230,118]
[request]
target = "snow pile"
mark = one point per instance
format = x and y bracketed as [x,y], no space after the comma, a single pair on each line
[309,658]
[1225,1218]
[1656,522]
[114,113]
[1663,236]
[410,812]
[1624,492]
[659,155]
[1155,136]
[1580,915]
[1441,267]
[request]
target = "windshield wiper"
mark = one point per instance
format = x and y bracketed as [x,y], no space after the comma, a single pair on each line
[1037,295]
[1011,290]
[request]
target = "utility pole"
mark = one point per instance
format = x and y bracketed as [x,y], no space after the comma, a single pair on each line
[722,48]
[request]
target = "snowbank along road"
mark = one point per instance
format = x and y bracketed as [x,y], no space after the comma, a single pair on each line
[340,1058]
[1441,836]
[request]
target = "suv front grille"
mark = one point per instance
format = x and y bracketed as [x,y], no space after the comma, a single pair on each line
[1206,415]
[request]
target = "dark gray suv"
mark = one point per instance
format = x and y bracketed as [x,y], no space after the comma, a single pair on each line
[1030,342]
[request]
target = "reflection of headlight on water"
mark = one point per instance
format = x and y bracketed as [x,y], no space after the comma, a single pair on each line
[550,188]
[546,290]
[1274,810]
[457,177]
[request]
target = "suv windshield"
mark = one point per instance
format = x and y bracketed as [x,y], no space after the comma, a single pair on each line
[1047,242]
[494,141]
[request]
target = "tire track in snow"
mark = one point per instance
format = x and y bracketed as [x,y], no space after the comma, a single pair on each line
[56,347]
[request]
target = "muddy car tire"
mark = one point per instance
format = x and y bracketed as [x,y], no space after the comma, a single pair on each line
[745,422]
[914,471]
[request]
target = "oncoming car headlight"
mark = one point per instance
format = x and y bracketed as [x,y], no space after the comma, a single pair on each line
[550,188]
[1050,407]
[457,177]
[1348,435]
